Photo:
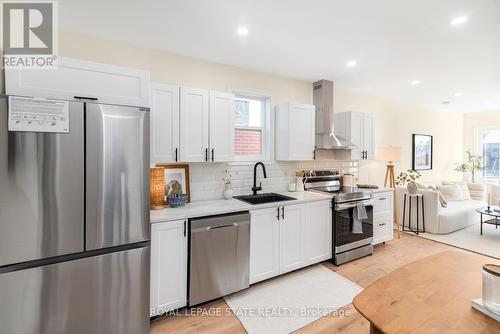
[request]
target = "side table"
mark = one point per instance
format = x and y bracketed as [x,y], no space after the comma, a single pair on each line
[420,201]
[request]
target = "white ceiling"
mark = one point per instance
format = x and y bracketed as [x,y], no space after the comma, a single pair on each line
[393,41]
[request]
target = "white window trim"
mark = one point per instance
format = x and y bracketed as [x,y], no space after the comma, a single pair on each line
[267,147]
[478,147]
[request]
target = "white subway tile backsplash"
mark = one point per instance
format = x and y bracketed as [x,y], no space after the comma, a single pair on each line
[206,178]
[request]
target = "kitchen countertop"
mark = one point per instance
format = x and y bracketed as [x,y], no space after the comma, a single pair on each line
[381,190]
[220,206]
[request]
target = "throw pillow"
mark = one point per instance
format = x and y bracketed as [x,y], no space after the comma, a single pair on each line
[478,191]
[465,190]
[441,198]
[463,187]
[451,192]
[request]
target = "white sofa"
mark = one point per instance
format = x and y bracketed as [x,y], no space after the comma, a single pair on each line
[444,220]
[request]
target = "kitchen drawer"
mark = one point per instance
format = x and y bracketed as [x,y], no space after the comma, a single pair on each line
[382,230]
[382,202]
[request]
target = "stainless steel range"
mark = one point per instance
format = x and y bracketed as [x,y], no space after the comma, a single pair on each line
[352,215]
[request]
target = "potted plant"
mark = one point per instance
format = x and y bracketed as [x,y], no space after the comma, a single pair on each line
[409,177]
[473,165]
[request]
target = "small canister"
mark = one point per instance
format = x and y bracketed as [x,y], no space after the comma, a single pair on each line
[491,287]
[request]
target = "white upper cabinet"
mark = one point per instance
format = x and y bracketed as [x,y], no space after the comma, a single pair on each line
[74,79]
[357,128]
[368,136]
[194,125]
[221,126]
[206,125]
[164,123]
[295,130]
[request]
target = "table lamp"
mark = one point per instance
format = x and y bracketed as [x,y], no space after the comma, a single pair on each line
[391,154]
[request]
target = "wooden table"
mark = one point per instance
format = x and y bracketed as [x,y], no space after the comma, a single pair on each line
[431,295]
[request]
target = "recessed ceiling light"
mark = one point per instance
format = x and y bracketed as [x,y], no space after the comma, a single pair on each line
[458,20]
[415,82]
[351,63]
[457,94]
[242,31]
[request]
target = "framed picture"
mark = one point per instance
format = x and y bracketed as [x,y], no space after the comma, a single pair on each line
[176,179]
[422,152]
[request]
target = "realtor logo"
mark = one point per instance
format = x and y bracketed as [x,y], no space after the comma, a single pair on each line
[28,34]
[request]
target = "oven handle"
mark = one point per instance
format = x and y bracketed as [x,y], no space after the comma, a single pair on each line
[339,207]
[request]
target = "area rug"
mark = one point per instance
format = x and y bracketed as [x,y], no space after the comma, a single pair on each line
[289,302]
[470,239]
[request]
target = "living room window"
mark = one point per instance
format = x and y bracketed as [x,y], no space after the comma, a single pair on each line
[252,127]
[489,147]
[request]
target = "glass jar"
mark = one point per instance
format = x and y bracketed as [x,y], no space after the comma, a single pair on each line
[491,288]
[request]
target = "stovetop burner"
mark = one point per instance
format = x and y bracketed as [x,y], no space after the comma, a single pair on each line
[328,181]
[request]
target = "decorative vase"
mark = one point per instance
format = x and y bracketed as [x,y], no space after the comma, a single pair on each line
[228,191]
[412,187]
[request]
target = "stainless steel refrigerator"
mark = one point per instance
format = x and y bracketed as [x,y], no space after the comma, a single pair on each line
[74,224]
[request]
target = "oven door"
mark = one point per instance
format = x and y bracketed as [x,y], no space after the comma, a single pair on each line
[343,223]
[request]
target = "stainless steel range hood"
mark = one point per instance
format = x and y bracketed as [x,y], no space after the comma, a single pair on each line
[325,134]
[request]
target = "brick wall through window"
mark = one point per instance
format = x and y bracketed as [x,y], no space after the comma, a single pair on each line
[247,142]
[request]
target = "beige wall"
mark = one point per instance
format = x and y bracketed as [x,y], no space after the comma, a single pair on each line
[394,125]
[477,120]
[175,69]
[394,122]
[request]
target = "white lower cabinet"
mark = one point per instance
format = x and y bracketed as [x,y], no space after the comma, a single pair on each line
[264,244]
[317,237]
[289,237]
[383,216]
[168,289]
[291,225]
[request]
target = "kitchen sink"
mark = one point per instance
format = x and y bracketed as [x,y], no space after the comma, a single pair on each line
[264,198]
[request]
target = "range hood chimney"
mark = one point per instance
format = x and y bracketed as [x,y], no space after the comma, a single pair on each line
[325,131]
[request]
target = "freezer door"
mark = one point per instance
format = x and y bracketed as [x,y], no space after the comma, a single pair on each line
[99,295]
[117,175]
[41,191]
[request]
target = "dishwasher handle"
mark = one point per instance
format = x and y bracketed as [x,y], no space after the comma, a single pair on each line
[212,228]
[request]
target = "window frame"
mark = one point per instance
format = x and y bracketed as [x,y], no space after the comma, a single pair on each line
[478,148]
[266,128]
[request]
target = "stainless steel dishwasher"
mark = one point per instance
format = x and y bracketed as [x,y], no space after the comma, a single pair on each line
[219,256]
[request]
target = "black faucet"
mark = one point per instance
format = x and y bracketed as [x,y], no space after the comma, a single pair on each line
[255,188]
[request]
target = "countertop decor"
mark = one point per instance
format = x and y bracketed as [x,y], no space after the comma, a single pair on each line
[156,188]
[176,174]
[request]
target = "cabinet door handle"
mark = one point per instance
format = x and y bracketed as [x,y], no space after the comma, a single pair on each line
[185,228]
[278,216]
[283,212]
[314,154]
[382,198]
[213,154]
[176,152]
[206,154]
[382,224]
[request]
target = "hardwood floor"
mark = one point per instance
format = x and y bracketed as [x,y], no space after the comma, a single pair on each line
[218,318]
